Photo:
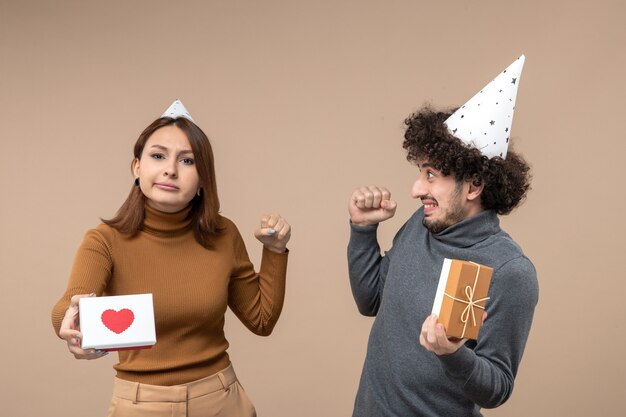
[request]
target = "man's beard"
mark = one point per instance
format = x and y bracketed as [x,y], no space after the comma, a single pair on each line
[452,216]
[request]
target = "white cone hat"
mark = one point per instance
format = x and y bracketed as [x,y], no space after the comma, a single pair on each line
[485,120]
[176,109]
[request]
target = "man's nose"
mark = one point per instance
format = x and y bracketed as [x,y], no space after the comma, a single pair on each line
[419,188]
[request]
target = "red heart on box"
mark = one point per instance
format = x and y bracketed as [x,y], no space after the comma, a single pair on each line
[118,321]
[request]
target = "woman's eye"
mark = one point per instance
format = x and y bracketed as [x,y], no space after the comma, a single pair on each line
[429,175]
[187,161]
[157,156]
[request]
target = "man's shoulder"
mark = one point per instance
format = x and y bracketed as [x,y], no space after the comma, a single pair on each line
[412,226]
[503,239]
[501,249]
[415,221]
[511,260]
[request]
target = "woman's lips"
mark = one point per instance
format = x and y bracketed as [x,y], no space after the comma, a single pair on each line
[166,186]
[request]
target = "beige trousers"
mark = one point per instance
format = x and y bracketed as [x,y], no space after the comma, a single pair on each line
[218,395]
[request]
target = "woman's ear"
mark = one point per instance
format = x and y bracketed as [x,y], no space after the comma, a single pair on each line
[135,167]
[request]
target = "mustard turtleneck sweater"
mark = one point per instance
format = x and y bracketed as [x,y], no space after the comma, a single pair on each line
[191,287]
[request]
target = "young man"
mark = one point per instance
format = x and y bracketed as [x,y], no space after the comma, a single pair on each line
[412,368]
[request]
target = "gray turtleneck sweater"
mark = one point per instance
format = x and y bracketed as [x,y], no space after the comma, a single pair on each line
[401,378]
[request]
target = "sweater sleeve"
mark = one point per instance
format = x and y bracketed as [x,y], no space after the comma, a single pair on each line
[90,273]
[257,298]
[367,268]
[486,373]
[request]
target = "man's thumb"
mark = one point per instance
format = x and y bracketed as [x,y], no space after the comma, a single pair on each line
[388,205]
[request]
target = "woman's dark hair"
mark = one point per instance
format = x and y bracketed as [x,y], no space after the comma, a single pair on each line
[205,218]
[506,181]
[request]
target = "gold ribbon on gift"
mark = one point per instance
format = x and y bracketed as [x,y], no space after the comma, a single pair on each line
[471,303]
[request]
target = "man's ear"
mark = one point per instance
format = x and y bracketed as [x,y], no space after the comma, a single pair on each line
[476,186]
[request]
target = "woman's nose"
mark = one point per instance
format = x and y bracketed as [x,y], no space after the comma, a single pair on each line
[171,170]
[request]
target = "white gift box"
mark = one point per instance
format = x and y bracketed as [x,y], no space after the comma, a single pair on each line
[117,322]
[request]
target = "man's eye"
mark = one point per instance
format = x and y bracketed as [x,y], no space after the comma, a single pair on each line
[429,175]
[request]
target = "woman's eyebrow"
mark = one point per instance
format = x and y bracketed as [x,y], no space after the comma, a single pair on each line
[165,148]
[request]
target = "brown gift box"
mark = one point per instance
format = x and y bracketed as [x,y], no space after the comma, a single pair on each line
[461,296]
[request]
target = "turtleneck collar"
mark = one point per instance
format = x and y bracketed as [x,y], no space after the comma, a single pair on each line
[470,231]
[166,224]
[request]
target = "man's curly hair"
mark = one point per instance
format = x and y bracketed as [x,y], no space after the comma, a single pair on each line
[506,181]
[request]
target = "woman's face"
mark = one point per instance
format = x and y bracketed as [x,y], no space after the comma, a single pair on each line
[166,170]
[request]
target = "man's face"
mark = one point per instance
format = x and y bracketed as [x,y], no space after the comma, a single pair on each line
[444,199]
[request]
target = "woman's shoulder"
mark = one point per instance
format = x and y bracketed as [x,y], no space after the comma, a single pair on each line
[103,233]
[100,239]
[227,226]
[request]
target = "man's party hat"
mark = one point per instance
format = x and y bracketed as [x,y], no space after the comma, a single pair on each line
[485,120]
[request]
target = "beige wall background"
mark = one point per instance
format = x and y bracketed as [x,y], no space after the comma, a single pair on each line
[304,101]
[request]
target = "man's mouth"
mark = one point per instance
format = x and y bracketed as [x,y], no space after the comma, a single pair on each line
[429,206]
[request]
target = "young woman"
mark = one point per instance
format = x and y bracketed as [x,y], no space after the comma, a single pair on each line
[168,239]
